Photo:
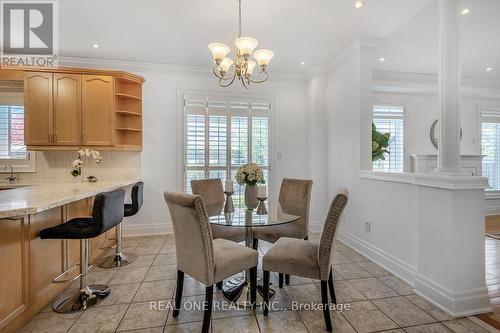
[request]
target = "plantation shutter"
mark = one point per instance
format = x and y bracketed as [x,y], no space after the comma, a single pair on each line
[490,146]
[12,132]
[390,119]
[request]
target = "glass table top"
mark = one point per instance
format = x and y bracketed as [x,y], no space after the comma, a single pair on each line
[249,218]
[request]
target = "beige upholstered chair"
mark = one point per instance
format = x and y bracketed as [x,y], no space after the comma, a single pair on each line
[200,256]
[294,199]
[308,259]
[212,194]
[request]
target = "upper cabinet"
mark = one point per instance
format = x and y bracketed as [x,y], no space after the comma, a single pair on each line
[68,108]
[97,106]
[38,128]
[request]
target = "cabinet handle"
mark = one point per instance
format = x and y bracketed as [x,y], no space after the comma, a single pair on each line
[55,138]
[50,138]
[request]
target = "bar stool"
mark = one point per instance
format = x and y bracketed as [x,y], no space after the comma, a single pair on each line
[107,213]
[120,259]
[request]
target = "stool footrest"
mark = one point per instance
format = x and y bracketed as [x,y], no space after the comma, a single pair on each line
[57,279]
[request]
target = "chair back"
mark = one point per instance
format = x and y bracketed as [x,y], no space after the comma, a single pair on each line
[294,199]
[328,234]
[212,194]
[108,210]
[193,237]
[137,197]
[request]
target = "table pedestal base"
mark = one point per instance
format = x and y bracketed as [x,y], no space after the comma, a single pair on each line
[236,290]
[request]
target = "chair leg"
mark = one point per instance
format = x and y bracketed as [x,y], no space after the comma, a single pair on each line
[287,279]
[219,285]
[266,292]
[324,301]
[253,287]
[255,244]
[332,289]
[280,275]
[208,309]
[178,293]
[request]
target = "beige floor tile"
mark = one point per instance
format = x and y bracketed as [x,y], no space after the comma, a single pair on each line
[429,328]
[165,259]
[355,256]
[304,293]
[184,328]
[339,258]
[403,312]
[225,309]
[374,269]
[315,322]
[398,330]
[161,273]
[142,261]
[142,315]
[193,287]
[296,280]
[100,319]
[51,322]
[280,302]
[168,247]
[155,290]
[397,285]
[131,241]
[464,325]
[150,249]
[428,307]
[287,321]
[191,311]
[345,292]
[351,271]
[96,277]
[372,288]
[245,324]
[129,275]
[366,317]
[148,330]
[120,294]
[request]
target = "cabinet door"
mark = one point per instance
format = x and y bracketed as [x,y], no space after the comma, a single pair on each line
[97,110]
[67,109]
[38,127]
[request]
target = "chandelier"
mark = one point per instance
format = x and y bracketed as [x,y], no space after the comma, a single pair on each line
[243,67]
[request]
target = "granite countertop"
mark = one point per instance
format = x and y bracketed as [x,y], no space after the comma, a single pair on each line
[21,199]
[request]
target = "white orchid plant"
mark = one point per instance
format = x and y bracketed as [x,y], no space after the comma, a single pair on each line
[77,163]
[250,174]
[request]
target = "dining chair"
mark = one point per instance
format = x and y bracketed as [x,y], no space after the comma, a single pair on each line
[294,199]
[308,259]
[200,256]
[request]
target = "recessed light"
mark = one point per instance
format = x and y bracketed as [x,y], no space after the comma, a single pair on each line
[95,46]
[489,69]
[302,63]
[358,4]
[382,59]
[465,11]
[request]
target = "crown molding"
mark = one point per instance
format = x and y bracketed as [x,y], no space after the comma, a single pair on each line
[189,70]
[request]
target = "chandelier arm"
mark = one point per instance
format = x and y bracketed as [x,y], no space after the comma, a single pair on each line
[217,73]
[222,77]
[227,84]
[259,81]
[245,82]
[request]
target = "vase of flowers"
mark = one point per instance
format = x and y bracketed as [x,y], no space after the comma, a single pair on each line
[250,175]
[77,164]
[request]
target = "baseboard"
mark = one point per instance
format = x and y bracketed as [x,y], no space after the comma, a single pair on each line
[476,300]
[139,229]
[396,266]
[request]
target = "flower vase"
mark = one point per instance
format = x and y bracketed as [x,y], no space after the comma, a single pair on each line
[251,197]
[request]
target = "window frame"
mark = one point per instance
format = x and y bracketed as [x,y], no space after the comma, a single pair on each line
[490,191]
[230,97]
[25,165]
[404,118]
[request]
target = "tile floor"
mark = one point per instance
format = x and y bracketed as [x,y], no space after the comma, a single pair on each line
[379,301]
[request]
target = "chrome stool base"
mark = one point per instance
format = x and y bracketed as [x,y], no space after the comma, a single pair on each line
[117,260]
[81,299]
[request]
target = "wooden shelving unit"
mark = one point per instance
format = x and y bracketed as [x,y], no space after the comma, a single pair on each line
[128,113]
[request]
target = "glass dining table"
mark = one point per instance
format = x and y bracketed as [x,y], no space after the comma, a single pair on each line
[237,288]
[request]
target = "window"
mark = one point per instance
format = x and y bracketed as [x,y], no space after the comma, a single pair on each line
[390,119]
[490,146]
[222,134]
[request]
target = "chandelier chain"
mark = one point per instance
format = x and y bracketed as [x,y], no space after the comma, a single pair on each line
[239,18]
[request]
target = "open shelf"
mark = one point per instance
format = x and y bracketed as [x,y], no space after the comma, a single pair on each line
[128,129]
[123,95]
[128,113]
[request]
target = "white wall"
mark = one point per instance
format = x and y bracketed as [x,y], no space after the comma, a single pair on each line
[162,142]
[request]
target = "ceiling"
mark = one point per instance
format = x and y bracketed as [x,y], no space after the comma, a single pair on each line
[177,32]
[413,46]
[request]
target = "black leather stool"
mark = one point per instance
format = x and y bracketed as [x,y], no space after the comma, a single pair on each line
[107,213]
[120,259]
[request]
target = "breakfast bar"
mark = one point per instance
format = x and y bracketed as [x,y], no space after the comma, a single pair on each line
[29,264]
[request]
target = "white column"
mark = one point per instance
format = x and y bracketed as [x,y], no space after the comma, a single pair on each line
[449,88]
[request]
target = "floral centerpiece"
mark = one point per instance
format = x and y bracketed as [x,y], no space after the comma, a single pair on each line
[250,175]
[78,162]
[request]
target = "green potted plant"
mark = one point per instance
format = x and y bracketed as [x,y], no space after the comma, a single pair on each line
[380,143]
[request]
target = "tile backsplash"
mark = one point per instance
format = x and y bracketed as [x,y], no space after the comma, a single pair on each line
[56,165]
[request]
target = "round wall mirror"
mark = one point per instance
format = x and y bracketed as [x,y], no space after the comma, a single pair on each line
[434,133]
